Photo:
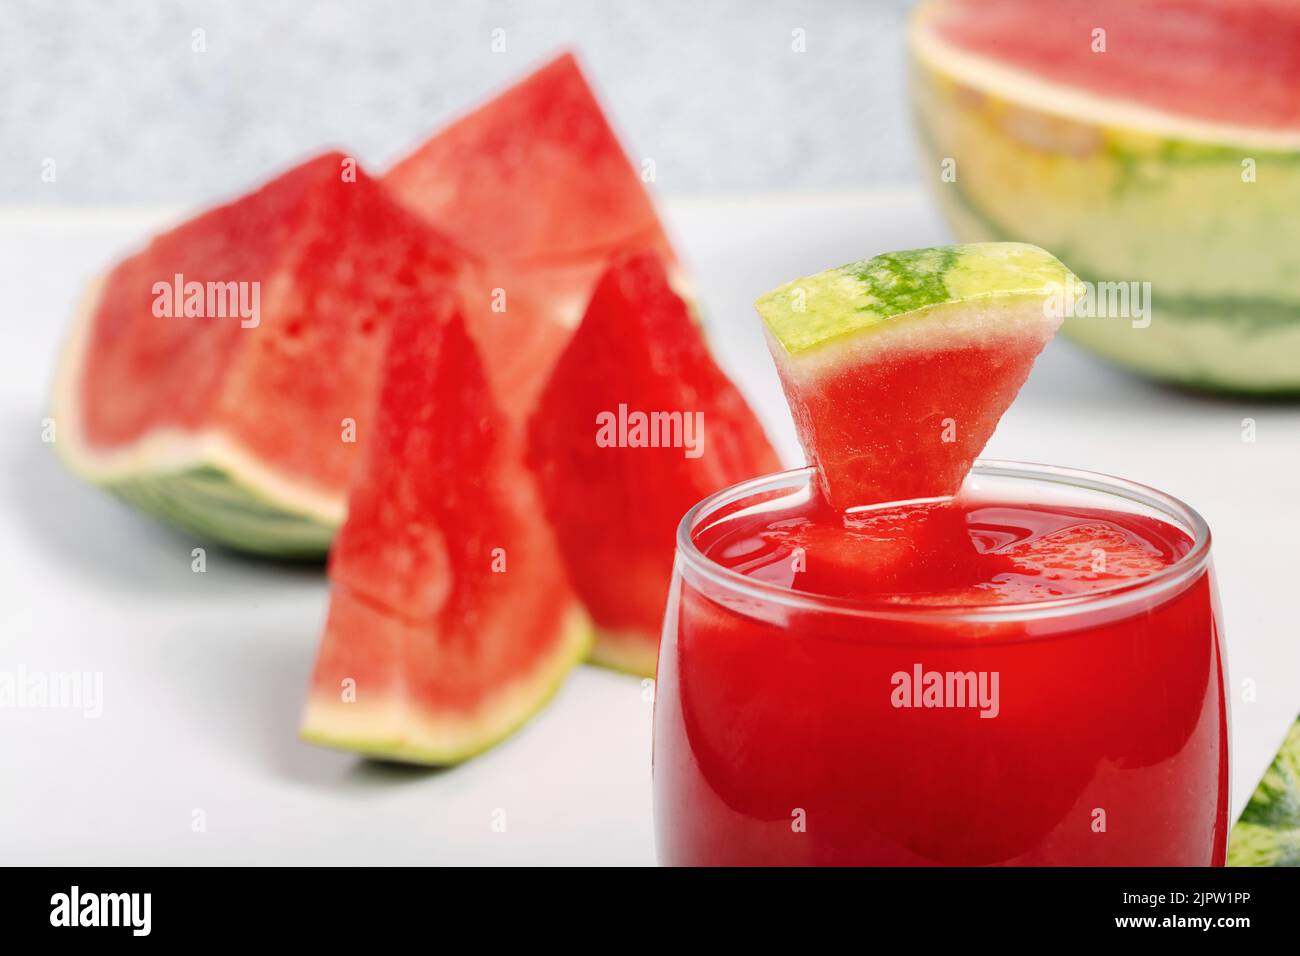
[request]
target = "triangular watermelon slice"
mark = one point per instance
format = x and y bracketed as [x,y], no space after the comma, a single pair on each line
[451,621]
[898,368]
[636,372]
[242,428]
[536,183]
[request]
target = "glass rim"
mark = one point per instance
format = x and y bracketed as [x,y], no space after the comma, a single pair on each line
[1167,580]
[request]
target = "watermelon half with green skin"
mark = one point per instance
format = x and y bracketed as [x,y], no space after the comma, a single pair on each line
[244,429]
[450,621]
[898,368]
[1165,149]
[1268,833]
[636,424]
[536,183]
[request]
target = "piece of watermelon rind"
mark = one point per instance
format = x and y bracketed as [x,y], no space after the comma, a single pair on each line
[1268,833]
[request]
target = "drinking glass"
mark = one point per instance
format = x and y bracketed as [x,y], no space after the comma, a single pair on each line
[776,740]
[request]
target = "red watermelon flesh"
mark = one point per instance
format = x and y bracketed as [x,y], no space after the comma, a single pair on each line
[1229,61]
[450,610]
[536,182]
[909,424]
[615,510]
[334,259]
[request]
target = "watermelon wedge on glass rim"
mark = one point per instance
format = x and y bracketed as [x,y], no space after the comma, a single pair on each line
[635,425]
[1153,141]
[222,377]
[536,183]
[451,621]
[897,368]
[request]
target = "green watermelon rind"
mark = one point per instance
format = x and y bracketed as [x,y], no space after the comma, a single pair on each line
[1268,833]
[198,482]
[328,722]
[216,506]
[957,291]
[1231,328]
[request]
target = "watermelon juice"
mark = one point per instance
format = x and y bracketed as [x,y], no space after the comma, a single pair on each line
[1027,674]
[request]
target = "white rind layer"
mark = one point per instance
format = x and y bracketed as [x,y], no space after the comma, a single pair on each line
[1020,86]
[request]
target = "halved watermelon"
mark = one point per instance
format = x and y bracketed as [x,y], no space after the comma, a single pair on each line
[636,425]
[1153,141]
[536,183]
[237,430]
[898,368]
[451,621]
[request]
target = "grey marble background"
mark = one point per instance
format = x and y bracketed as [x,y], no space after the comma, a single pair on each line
[113,92]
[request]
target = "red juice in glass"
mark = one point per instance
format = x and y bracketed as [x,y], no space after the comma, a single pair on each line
[1027,674]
